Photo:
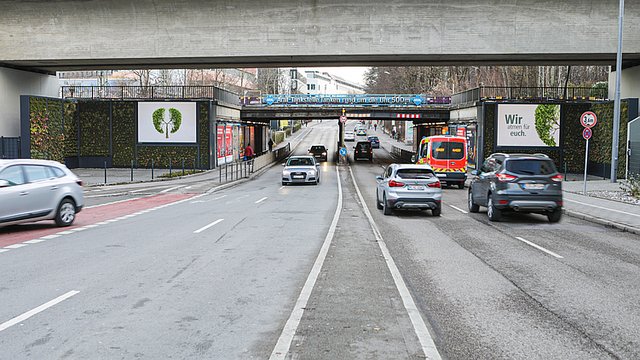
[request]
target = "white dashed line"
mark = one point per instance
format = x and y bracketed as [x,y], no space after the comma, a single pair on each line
[208,226]
[65,232]
[111,203]
[15,246]
[3,250]
[261,200]
[539,247]
[34,241]
[171,188]
[39,309]
[457,208]
[49,237]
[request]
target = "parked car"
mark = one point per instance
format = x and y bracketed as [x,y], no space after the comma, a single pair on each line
[375,141]
[349,136]
[408,186]
[517,183]
[363,151]
[301,170]
[319,152]
[34,190]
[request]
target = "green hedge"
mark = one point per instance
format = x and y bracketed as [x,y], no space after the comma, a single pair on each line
[94,128]
[279,137]
[46,128]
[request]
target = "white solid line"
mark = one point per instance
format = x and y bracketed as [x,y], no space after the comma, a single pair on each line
[603,208]
[49,237]
[426,341]
[41,308]
[283,345]
[34,241]
[105,195]
[457,208]
[539,247]
[3,250]
[171,188]
[261,200]
[197,201]
[208,226]
[15,246]
[111,203]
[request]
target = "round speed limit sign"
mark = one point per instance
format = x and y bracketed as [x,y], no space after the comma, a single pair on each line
[588,119]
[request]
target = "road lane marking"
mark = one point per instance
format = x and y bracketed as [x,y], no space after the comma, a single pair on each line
[281,350]
[539,247]
[426,341]
[171,188]
[281,187]
[110,203]
[457,208]
[208,226]
[603,208]
[34,241]
[20,318]
[105,195]
[261,200]
[3,250]
[49,237]
[15,246]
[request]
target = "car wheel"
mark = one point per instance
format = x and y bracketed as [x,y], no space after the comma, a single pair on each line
[555,216]
[378,204]
[473,207]
[494,213]
[385,206]
[437,211]
[284,183]
[461,185]
[66,213]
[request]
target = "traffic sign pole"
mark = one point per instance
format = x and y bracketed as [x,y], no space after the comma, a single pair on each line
[586,157]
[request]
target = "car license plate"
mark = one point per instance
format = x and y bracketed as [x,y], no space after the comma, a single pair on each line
[534,186]
[298,176]
[415,187]
[441,175]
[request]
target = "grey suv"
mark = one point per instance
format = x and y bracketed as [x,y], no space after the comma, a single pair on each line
[33,190]
[517,183]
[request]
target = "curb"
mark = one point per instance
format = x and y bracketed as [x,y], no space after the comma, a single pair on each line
[606,223]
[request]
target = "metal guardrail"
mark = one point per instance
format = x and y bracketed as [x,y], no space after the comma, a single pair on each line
[243,169]
[402,154]
[10,147]
[528,93]
[149,92]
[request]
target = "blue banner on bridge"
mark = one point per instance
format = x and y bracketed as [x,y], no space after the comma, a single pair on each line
[351,100]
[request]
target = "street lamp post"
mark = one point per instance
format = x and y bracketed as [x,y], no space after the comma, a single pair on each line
[616,101]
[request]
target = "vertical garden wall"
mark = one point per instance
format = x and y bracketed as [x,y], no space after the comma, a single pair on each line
[571,151]
[90,133]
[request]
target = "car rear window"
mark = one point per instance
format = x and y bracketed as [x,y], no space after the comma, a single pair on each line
[530,167]
[415,173]
[317,148]
[363,146]
[447,150]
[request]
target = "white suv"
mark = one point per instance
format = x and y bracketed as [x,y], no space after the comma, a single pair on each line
[34,190]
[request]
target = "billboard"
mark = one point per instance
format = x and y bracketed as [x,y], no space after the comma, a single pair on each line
[528,125]
[167,122]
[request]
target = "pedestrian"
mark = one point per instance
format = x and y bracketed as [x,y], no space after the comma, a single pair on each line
[393,132]
[270,145]
[305,124]
[375,127]
[248,152]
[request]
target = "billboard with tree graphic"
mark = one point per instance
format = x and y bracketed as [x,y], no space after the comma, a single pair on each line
[167,122]
[528,125]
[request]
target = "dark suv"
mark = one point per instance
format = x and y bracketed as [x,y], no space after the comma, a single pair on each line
[363,150]
[319,152]
[518,183]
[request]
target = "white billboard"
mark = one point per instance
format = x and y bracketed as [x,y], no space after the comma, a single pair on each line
[528,125]
[167,122]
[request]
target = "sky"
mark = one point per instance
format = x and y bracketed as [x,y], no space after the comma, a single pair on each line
[352,73]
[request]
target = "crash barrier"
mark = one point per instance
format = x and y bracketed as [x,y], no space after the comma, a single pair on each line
[401,154]
[243,169]
[9,147]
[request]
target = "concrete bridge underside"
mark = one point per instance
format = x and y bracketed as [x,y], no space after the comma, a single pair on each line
[418,115]
[44,35]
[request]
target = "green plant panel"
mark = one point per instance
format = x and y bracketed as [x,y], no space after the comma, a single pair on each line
[94,128]
[46,128]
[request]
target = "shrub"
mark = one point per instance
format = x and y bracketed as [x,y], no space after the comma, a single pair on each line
[631,186]
[279,137]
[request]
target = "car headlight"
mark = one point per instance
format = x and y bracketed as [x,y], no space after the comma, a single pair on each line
[324,153]
[286,173]
[311,172]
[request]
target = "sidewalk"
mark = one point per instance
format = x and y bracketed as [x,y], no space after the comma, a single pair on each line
[94,176]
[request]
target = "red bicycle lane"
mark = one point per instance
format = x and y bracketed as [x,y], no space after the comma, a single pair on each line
[20,233]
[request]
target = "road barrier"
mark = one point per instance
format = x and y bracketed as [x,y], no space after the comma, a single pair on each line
[401,154]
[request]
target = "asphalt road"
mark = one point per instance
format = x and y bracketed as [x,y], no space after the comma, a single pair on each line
[236,273]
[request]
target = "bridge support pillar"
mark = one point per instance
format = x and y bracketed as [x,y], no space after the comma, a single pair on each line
[14,83]
[629,84]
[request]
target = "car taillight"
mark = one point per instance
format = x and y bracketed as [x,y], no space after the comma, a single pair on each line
[393,183]
[79,182]
[505,177]
[435,185]
[557,178]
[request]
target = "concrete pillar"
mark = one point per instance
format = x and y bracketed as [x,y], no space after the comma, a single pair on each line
[14,83]
[629,83]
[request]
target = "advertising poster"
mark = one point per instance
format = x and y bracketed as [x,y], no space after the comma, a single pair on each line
[525,125]
[224,150]
[167,122]
[408,135]
[228,143]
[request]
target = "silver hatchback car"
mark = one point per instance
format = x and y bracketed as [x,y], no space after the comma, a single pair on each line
[405,186]
[34,190]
